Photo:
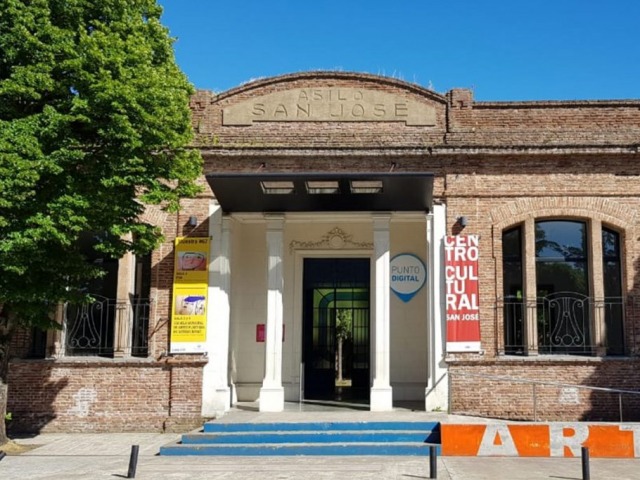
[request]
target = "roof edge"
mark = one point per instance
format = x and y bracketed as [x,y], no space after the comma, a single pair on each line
[557,103]
[329,74]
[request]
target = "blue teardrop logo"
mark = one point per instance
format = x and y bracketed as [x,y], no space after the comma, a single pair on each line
[408,275]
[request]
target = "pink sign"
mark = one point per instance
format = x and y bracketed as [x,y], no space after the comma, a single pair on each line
[261,332]
[461,276]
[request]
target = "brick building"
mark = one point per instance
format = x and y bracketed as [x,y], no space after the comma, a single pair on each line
[371,242]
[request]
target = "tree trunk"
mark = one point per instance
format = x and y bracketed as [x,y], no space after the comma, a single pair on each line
[3,411]
[4,388]
[340,359]
[6,332]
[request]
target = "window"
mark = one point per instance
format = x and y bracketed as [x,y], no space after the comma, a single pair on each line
[570,312]
[562,287]
[513,290]
[612,274]
[116,323]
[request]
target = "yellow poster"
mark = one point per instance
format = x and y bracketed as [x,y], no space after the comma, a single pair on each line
[189,307]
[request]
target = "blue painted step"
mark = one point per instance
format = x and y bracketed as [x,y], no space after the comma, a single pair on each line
[309,438]
[312,437]
[330,449]
[214,426]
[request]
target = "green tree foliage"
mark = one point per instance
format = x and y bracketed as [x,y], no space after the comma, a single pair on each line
[94,124]
[344,332]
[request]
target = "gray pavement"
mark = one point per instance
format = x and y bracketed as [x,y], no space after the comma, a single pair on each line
[95,456]
[106,455]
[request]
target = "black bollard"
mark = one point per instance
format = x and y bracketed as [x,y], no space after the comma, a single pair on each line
[585,464]
[433,462]
[2,454]
[133,461]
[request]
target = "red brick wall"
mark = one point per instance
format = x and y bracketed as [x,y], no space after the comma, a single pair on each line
[545,123]
[477,389]
[104,395]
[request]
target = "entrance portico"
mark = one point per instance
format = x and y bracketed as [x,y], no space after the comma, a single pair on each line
[345,225]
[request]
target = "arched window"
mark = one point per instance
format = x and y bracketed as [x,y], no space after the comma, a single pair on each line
[572,304]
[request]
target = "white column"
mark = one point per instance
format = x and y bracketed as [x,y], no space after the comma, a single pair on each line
[381,393]
[216,395]
[437,391]
[272,392]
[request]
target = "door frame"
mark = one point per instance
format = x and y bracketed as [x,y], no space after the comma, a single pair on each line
[325,387]
[298,300]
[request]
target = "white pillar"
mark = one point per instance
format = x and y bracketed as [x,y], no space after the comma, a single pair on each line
[216,394]
[272,392]
[437,391]
[381,393]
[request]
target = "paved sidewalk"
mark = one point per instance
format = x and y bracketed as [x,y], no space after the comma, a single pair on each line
[95,456]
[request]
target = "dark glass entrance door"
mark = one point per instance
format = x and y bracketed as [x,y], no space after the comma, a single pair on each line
[336,329]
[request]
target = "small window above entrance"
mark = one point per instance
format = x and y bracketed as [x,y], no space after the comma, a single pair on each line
[277,188]
[364,186]
[320,187]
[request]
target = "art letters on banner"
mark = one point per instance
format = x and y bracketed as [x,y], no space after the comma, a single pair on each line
[461,277]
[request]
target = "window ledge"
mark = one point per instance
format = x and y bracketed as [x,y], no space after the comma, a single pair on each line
[546,359]
[111,362]
[563,358]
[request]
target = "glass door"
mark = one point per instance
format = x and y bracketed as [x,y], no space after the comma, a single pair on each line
[336,329]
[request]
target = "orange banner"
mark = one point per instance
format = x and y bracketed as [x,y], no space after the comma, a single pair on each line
[541,440]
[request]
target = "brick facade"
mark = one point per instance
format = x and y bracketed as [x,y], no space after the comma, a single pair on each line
[104,396]
[497,163]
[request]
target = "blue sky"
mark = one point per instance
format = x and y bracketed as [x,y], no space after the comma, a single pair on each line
[503,50]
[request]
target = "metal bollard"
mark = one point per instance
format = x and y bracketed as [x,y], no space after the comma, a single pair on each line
[585,464]
[133,461]
[433,462]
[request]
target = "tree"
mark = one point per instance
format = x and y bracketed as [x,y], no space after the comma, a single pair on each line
[344,332]
[94,124]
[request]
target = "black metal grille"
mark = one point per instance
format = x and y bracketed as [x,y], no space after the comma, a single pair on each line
[90,328]
[565,322]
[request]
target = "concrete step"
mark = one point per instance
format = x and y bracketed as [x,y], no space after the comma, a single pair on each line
[309,438]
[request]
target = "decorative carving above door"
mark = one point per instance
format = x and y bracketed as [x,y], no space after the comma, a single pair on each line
[334,239]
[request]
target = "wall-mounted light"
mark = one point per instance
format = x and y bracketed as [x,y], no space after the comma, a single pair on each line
[193,221]
[463,221]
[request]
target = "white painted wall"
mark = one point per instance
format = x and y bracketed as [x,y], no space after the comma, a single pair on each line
[249,300]
[409,320]
[248,308]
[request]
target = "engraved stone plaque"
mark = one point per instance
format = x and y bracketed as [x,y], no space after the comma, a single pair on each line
[330,104]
